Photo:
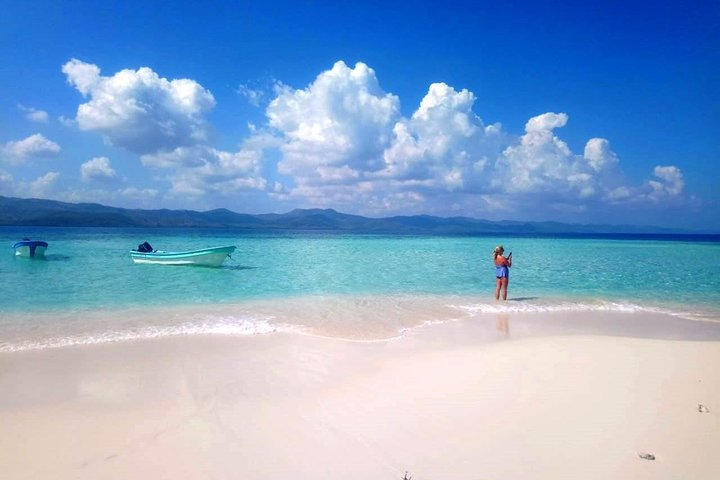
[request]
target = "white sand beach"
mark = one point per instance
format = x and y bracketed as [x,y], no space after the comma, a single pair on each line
[435,403]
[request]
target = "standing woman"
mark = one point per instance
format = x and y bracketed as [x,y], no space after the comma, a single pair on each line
[502,271]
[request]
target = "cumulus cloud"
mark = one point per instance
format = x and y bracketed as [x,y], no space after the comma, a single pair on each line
[542,166]
[541,162]
[138,110]
[84,76]
[34,146]
[599,155]
[33,114]
[547,122]
[98,169]
[671,181]
[43,186]
[344,142]
[335,129]
[444,144]
[200,169]
[666,186]
[344,139]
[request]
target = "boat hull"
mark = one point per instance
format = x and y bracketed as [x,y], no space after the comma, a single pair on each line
[31,249]
[206,257]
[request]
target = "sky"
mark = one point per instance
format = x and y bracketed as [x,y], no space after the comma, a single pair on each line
[516,110]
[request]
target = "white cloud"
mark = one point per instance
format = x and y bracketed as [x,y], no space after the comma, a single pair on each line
[599,155]
[544,171]
[667,188]
[345,144]
[444,143]
[139,110]
[33,114]
[200,169]
[83,76]
[34,146]
[541,162]
[98,168]
[42,186]
[340,124]
[671,181]
[546,122]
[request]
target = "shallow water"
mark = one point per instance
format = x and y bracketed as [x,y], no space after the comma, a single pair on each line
[88,288]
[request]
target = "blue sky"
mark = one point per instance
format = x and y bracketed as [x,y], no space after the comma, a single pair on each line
[500,110]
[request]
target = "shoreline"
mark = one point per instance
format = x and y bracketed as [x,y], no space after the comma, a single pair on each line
[348,317]
[440,402]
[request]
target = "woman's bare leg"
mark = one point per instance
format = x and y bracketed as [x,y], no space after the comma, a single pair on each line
[498,285]
[505,282]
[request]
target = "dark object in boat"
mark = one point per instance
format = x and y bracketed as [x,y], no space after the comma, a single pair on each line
[145,247]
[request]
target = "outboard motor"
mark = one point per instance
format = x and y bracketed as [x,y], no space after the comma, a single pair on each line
[145,247]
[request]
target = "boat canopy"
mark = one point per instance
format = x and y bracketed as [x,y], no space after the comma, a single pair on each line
[30,243]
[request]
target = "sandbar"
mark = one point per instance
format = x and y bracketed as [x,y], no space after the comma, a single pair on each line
[444,401]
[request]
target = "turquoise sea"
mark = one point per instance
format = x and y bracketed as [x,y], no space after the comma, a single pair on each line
[87,289]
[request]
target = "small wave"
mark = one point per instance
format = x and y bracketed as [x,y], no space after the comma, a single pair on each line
[557,307]
[210,325]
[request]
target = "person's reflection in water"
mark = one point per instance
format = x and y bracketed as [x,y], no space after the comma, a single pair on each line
[503,325]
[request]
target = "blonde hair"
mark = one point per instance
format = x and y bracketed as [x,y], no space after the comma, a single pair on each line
[497,251]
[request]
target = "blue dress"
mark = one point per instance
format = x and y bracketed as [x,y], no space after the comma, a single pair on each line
[502,271]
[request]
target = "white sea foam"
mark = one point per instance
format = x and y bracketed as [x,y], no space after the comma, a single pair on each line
[532,306]
[208,325]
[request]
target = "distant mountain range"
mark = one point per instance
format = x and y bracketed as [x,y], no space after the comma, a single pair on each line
[37,212]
